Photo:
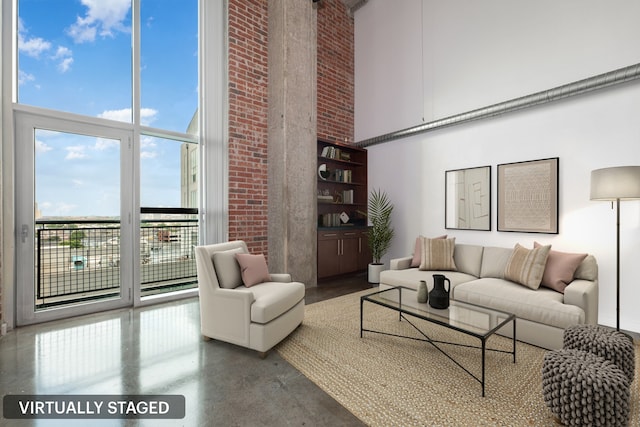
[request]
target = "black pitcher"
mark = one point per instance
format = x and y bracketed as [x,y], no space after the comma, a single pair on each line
[439,296]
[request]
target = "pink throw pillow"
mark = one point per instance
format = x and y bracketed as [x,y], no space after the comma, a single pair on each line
[560,268]
[417,251]
[253,269]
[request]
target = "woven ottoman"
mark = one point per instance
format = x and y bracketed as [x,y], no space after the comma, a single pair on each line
[604,342]
[583,389]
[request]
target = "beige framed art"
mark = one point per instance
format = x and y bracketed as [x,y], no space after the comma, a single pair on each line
[528,196]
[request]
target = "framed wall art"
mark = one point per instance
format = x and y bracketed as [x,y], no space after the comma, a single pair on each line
[468,198]
[528,196]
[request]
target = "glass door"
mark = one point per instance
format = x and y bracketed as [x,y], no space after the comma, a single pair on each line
[74,218]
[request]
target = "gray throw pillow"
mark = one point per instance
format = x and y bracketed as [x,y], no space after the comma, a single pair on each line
[227,268]
[494,261]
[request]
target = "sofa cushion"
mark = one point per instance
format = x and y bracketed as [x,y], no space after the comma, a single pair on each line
[227,268]
[272,299]
[468,259]
[494,261]
[437,254]
[560,269]
[526,266]
[417,250]
[253,269]
[542,305]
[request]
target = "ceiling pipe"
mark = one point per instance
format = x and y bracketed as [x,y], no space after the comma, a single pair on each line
[621,75]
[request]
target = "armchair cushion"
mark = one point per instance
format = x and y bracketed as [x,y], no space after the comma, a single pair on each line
[272,299]
[253,269]
[227,268]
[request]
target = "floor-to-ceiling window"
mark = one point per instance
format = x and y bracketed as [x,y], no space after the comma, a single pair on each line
[106,124]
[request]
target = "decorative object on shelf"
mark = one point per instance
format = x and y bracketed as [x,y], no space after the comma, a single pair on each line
[381,232]
[439,296]
[423,295]
[528,196]
[615,184]
[468,199]
[323,172]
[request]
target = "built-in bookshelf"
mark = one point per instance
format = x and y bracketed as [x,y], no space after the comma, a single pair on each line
[342,185]
[342,209]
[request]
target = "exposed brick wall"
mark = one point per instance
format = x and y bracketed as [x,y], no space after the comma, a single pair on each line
[248,27]
[248,80]
[335,71]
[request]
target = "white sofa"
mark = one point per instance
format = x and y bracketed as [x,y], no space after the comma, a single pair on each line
[257,317]
[542,314]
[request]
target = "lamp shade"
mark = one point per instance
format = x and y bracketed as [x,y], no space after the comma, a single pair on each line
[622,182]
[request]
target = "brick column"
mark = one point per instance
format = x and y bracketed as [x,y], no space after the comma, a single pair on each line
[292,210]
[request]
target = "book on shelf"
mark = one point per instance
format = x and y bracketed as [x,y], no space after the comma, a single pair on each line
[342,175]
[335,153]
[334,220]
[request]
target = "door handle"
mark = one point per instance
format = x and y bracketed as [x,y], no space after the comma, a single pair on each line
[24,233]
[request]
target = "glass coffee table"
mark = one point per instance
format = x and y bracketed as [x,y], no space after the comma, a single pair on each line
[472,320]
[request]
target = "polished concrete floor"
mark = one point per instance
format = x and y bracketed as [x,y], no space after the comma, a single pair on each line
[159,350]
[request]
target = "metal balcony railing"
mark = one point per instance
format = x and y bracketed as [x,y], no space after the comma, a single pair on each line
[79,260]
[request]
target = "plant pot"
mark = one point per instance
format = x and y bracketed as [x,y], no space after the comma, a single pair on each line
[374,272]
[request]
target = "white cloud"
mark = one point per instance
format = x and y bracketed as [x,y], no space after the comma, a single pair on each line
[24,77]
[65,57]
[104,144]
[102,18]
[147,115]
[148,154]
[42,147]
[33,46]
[62,52]
[123,115]
[75,152]
[65,64]
[147,147]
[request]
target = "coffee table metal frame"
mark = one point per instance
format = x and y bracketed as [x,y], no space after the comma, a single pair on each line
[441,317]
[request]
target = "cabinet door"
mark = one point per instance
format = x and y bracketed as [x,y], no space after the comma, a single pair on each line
[364,253]
[349,252]
[329,245]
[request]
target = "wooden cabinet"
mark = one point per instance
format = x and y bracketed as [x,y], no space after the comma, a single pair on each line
[342,252]
[342,208]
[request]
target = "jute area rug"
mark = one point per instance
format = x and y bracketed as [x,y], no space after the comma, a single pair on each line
[389,381]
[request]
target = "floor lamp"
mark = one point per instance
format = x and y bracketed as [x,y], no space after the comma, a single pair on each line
[615,184]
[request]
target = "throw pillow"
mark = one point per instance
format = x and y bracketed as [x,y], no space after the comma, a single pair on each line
[526,266]
[417,250]
[560,269]
[227,268]
[253,269]
[494,261]
[437,254]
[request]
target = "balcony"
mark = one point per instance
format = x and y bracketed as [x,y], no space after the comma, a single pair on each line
[79,260]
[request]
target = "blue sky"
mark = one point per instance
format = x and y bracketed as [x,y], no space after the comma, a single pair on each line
[75,56]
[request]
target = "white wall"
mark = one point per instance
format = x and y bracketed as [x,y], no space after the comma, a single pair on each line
[473,54]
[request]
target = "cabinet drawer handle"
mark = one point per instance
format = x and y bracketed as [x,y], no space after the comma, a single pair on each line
[329,235]
[349,234]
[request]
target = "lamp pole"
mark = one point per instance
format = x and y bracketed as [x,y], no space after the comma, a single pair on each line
[617,264]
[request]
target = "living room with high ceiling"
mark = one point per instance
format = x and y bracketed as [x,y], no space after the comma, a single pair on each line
[294,96]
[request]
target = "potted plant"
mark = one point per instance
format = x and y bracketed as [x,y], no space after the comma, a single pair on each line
[380,233]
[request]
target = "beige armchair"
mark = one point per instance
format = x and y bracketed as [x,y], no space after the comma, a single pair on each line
[257,317]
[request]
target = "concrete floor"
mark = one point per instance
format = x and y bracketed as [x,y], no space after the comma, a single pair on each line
[159,350]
